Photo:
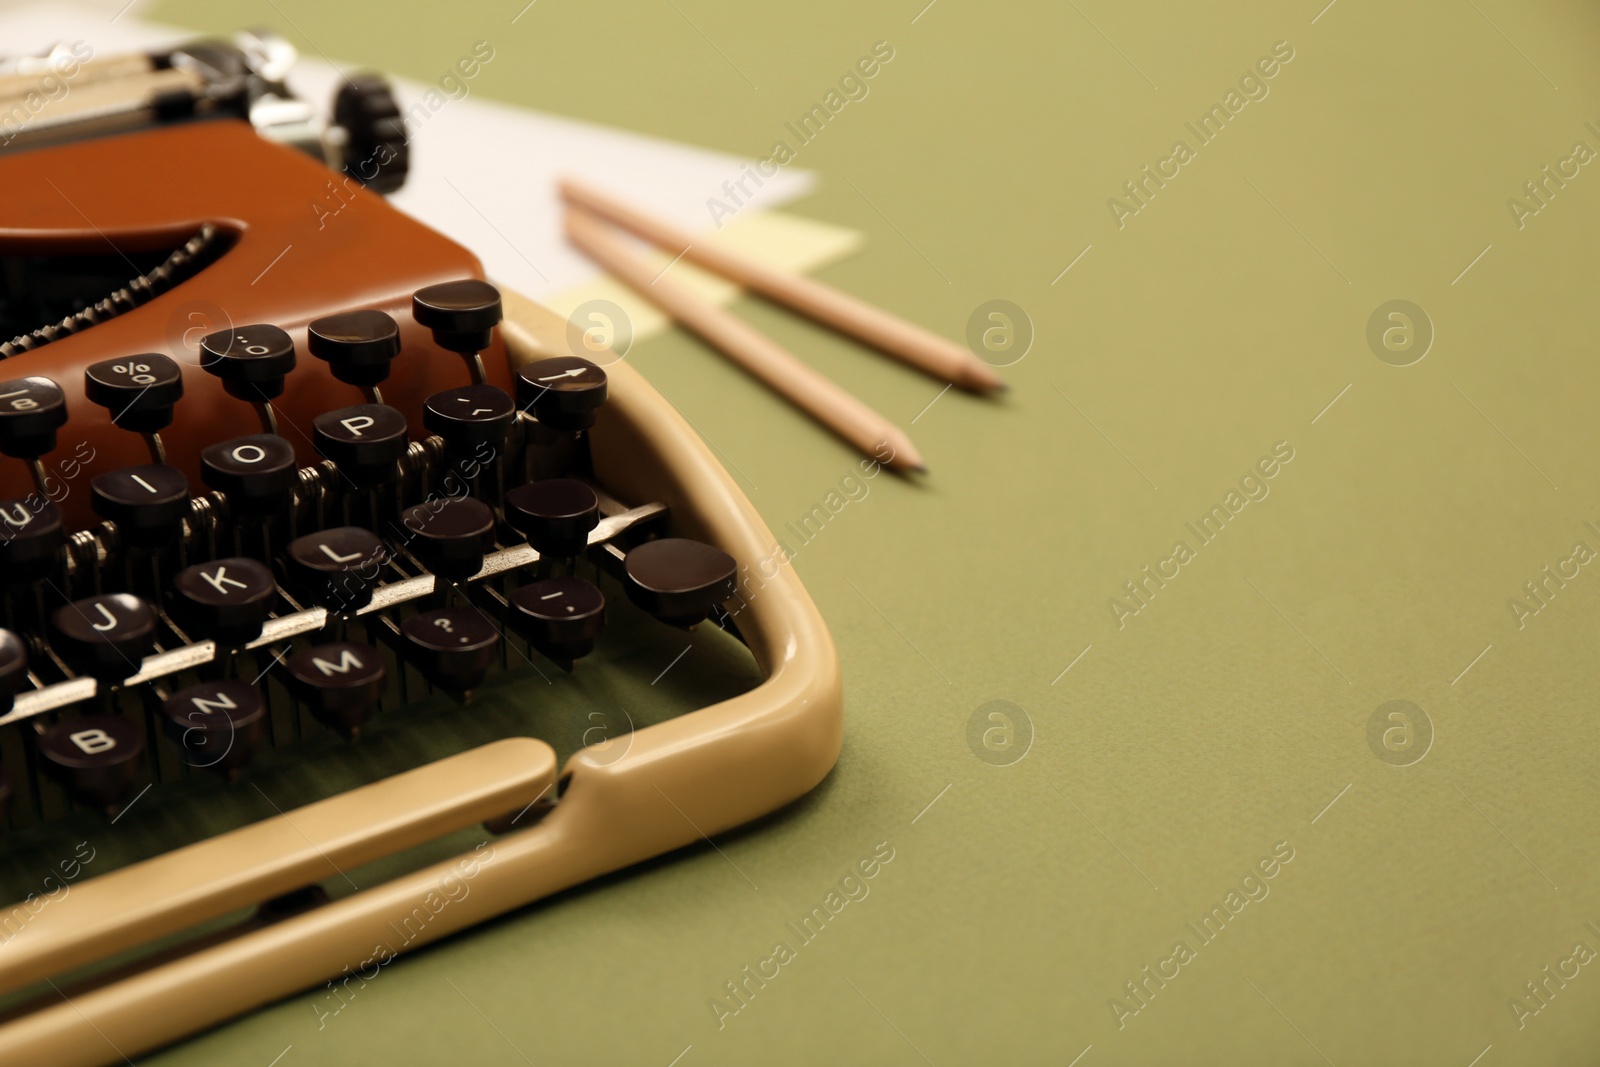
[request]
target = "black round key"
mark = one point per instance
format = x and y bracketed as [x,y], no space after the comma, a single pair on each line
[148,503]
[226,600]
[30,536]
[13,667]
[256,473]
[461,314]
[562,616]
[337,567]
[678,580]
[105,636]
[364,440]
[471,415]
[31,411]
[450,535]
[555,515]
[252,361]
[217,724]
[357,345]
[96,757]
[139,391]
[342,682]
[454,647]
[562,391]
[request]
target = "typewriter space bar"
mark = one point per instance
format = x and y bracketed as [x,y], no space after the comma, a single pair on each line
[180,889]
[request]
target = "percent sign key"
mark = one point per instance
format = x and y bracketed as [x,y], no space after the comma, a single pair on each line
[140,391]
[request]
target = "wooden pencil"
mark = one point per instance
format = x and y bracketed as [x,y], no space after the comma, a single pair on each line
[822,399]
[928,352]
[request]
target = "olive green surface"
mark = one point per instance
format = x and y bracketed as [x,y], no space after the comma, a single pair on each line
[1229,716]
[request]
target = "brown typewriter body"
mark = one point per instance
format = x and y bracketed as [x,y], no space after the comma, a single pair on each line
[287,261]
[303,242]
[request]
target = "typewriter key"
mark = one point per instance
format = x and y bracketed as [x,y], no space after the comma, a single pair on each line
[563,391]
[678,580]
[454,647]
[217,724]
[364,441]
[31,411]
[105,636]
[252,361]
[337,568]
[30,535]
[461,314]
[257,473]
[227,600]
[341,681]
[148,503]
[470,416]
[450,536]
[561,616]
[357,345]
[13,667]
[139,391]
[555,515]
[96,757]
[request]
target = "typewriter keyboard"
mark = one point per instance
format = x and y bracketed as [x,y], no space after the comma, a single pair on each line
[212,654]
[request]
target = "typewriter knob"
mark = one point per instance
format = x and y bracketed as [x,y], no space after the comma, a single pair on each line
[96,757]
[357,345]
[375,150]
[337,568]
[217,724]
[461,314]
[226,599]
[364,441]
[139,391]
[256,473]
[555,515]
[30,536]
[252,361]
[470,416]
[678,580]
[562,616]
[13,667]
[562,391]
[31,411]
[106,636]
[451,535]
[148,503]
[454,648]
[341,681]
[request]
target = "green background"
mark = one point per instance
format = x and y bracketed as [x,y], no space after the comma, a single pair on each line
[1231,711]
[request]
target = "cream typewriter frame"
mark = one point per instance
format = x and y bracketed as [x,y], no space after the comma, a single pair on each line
[677,781]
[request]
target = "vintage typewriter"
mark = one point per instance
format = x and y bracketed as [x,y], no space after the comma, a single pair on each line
[348,601]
